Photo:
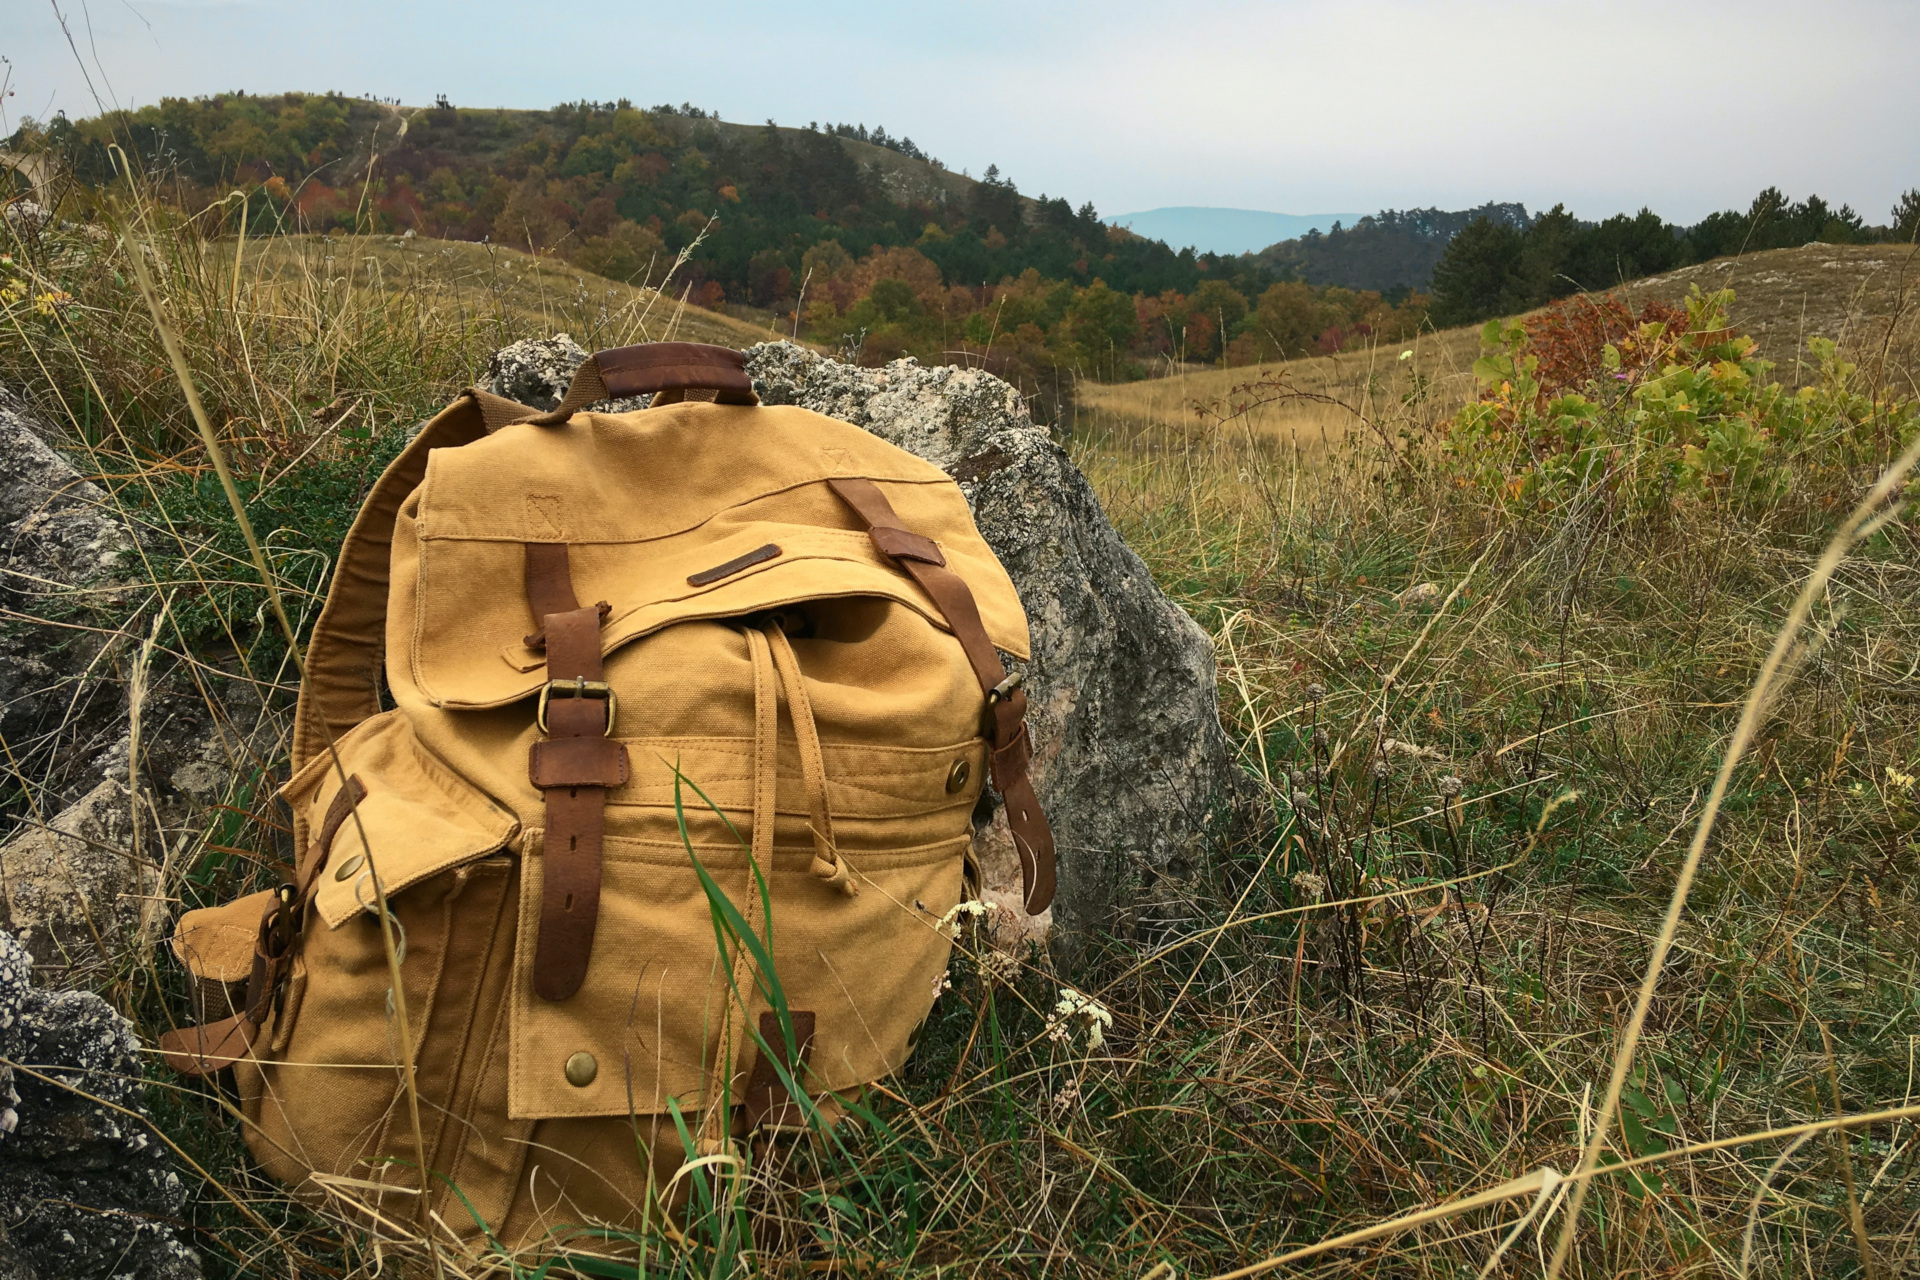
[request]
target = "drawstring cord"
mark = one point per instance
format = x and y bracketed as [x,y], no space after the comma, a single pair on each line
[827,862]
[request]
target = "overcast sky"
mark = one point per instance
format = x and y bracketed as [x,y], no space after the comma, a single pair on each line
[1300,108]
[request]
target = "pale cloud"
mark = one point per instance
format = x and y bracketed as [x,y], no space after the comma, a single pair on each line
[1286,106]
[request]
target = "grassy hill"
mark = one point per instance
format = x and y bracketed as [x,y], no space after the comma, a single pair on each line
[519,292]
[1866,297]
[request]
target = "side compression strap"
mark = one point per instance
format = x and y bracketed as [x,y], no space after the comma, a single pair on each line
[922,558]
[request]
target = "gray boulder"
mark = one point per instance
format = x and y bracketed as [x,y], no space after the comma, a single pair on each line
[1130,760]
[536,372]
[61,547]
[78,872]
[86,1186]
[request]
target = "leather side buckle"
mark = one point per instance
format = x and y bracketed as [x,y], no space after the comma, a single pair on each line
[578,687]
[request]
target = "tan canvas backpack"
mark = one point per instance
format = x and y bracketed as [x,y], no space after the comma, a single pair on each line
[759,622]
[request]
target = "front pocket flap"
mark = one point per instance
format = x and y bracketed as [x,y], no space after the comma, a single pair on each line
[420,818]
[473,618]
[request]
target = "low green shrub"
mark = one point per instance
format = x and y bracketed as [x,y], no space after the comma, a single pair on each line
[1659,413]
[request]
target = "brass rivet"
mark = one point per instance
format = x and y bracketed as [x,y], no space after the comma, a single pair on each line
[350,866]
[958,775]
[581,1069]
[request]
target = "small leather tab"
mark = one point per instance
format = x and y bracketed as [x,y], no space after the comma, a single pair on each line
[203,1051]
[767,1103]
[759,555]
[904,544]
[577,762]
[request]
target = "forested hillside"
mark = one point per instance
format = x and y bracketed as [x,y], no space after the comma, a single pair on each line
[868,245]
[1389,250]
[1496,267]
[860,241]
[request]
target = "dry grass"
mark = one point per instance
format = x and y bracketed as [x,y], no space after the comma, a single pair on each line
[1859,295]
[525,292]
[1346,389]
[1404,991]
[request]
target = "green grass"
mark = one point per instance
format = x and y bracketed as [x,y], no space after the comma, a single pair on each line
[1409,989]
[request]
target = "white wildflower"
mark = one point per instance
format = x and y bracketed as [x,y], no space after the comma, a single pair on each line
[1074,1007]
[950,923]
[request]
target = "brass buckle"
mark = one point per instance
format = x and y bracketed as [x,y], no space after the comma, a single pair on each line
[1004,690]
[578,687]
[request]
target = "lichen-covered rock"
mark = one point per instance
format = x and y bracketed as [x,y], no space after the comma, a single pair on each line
[1129,757]
[75,885]
[57,533]
[536,372]
[86,1186]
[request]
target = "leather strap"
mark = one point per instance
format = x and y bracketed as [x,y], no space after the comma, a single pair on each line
[338,812]
[675,366]
[210,1047]
[204,1050]
[768,1103]
[1012,748]
[667,368]
[573,768]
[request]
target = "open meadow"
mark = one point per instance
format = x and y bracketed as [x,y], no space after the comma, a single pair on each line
[1861,295]
[1498,649]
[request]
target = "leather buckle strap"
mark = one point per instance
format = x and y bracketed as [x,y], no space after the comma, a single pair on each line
[578,687]
[205,1050]
[769,1104]
[1006,700]
[573,767]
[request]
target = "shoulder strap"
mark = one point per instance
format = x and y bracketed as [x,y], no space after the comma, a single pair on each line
[922,559]
[342,684]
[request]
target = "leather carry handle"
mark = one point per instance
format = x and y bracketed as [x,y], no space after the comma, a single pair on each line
[666,370]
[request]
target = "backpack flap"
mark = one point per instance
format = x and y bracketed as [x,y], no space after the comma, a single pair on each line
[728,533]
[419,818]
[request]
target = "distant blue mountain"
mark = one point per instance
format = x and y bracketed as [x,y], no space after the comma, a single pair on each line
[1226,230]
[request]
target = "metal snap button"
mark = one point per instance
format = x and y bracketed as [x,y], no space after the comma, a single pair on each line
[958,775]
[581,1069]
[350,866]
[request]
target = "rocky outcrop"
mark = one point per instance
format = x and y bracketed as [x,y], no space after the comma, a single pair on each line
[61,549]
[536,372]
[78,869]
[86,1187]
[1130,759]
